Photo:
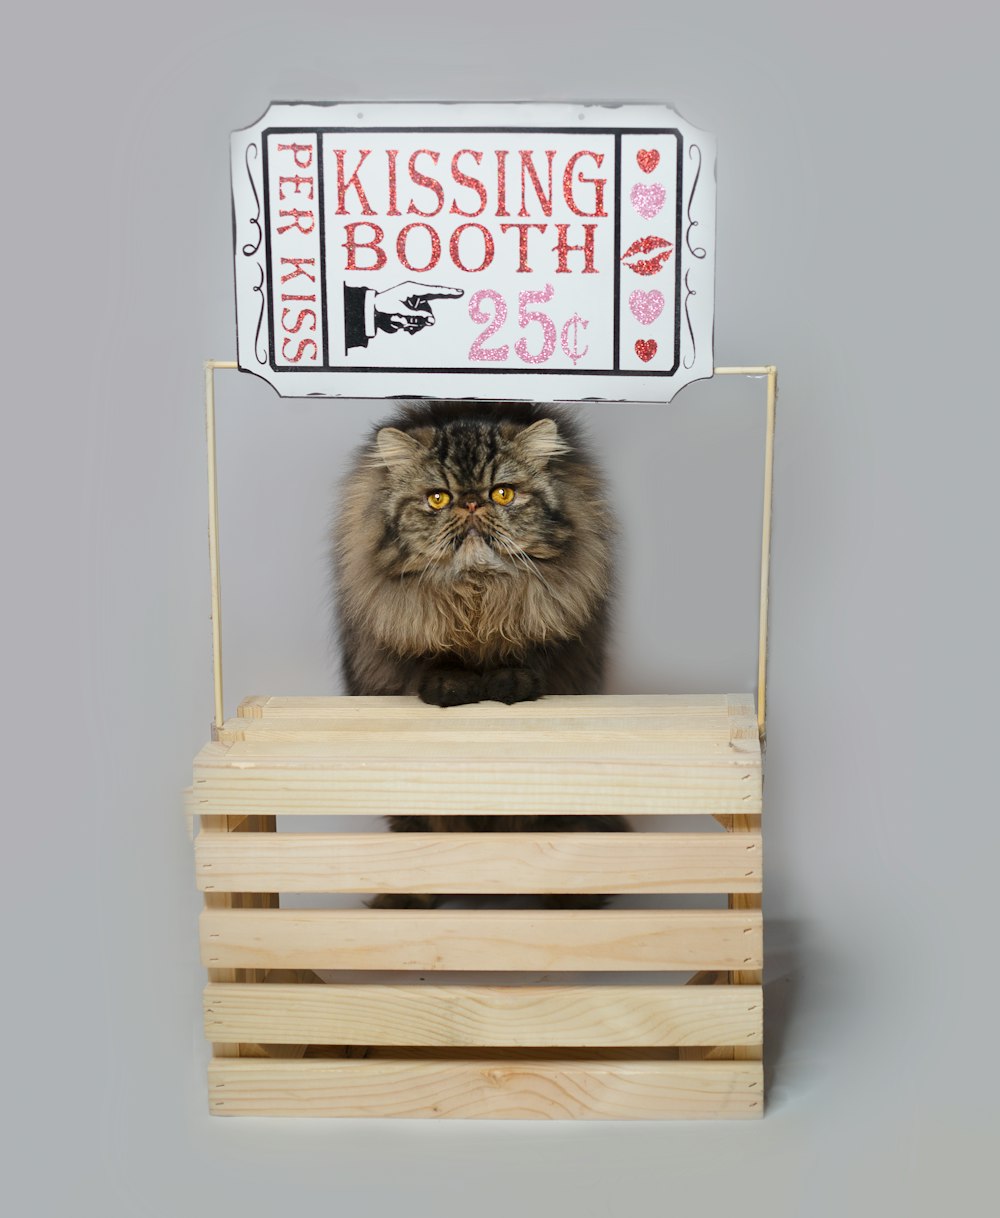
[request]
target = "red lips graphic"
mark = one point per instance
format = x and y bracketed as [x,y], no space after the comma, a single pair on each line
[647,245]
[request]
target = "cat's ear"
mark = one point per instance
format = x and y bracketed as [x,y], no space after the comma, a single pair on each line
[395,447]
[540,442]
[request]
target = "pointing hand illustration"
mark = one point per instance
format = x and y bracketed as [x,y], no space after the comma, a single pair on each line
[407,305]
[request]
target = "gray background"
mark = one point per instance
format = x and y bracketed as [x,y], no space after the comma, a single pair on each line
[856,241]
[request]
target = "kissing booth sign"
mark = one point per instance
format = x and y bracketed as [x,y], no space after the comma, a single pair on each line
[474,251]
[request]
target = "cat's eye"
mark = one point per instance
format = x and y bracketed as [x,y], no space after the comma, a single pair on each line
[503,495]
[438,499]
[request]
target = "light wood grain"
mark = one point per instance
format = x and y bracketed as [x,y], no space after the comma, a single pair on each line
[532,1016]
[478,863]
[745,901]
[556,719]
[318,751]
[231,827]
[482,787]
[627,735]
[615,940]
[501,1089]
[559,756]
[637,1051]
[221,900]
[585,706]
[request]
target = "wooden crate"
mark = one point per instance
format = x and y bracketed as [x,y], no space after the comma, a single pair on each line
[410,1027]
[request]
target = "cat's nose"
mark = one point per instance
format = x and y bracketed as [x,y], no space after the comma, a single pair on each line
[471,505]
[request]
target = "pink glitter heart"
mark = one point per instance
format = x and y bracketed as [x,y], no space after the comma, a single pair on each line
[646,306]
[648,199]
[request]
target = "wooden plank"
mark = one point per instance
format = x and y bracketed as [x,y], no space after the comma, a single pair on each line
[578,940]
[383,786]
[621,735]
[732,720]
[709,715]
[222,901]
[407,794]
[751,902]
[724,721]
[500,1089]
[479,863]
[532,1016]
[321,707]
[229,828]
[217,901]
[270,752]
[559,756]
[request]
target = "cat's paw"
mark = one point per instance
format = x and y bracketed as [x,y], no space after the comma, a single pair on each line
[511,685]
[451,687]
[403,900]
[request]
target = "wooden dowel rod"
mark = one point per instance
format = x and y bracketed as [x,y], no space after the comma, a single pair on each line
[213,535]
[765,552]
[765,371]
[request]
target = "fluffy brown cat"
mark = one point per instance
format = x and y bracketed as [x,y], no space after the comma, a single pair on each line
[472,558]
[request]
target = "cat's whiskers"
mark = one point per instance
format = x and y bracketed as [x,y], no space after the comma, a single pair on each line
[521,557]
[438,551]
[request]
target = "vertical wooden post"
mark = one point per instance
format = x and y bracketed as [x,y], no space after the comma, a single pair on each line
[223,900]
[765,552]
[745,900]
[213,534]
[238,900]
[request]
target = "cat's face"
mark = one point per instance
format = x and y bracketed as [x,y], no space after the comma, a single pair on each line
[472,496]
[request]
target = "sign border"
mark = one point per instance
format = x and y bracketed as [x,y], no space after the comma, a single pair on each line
[326,366]
[694,265]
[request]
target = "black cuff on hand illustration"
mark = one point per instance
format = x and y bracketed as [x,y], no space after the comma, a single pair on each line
[405,307]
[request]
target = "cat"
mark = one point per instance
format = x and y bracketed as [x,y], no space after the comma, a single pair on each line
[472,561]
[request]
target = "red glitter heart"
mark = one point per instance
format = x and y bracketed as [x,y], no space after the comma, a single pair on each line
[645,348]
[648,159]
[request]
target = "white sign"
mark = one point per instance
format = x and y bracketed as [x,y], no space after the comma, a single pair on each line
[547,252]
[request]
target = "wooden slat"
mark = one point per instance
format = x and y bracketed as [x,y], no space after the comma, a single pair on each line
[517,721]
[224,827]
[222,900]
[676,735]
[322,751]
[479,863]
[320,707]
[723,720]
[409,795]
[479,789]
[541,1016]
[745,901]
[559,756]
[613,940]
[623,712]
[727,718]
[501,1089]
